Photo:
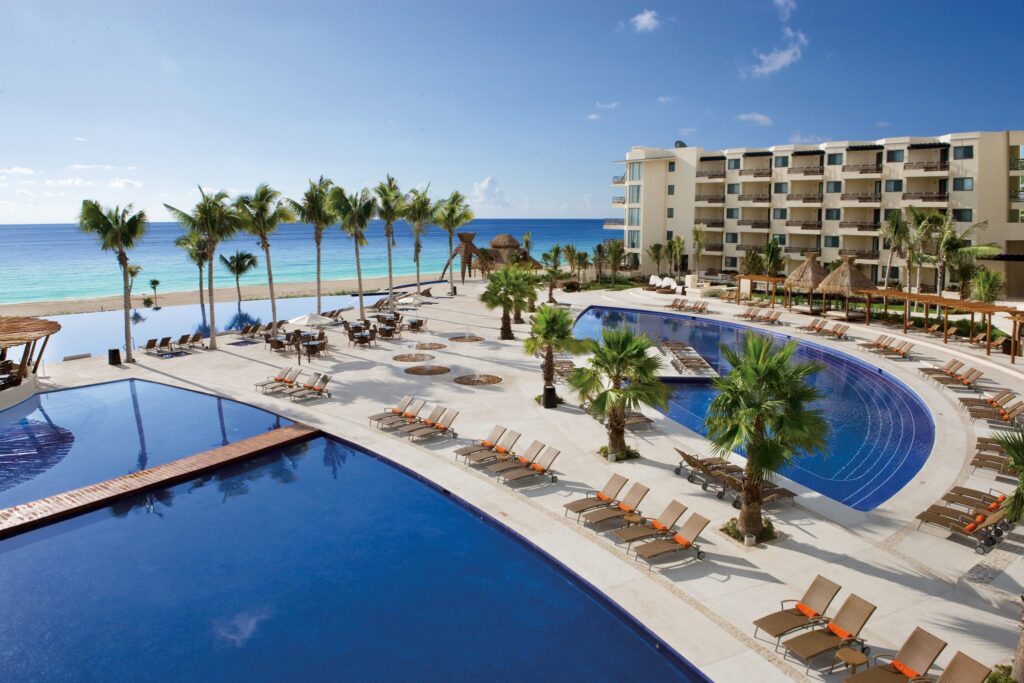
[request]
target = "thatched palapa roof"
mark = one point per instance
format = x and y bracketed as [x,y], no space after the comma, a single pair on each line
[15,330]
[846,280]
[505,241]
[808,275]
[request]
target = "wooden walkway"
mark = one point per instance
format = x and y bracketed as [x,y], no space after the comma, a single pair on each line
[21,518]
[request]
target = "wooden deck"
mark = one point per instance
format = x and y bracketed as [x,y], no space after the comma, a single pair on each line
[20,518]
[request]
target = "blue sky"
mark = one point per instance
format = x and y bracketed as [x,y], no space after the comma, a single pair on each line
[521,105]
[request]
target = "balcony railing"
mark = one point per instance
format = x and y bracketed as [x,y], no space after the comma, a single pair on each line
[1017,195]
[710,222]
[618,200]
[755,198]
[807,170]
[803,250]
[926,165]
[927,196]
[803,225]
[805,197]
[859,225]
[750,247]
[1017,164]
[865,197]
[859,253]
[618,180]
[756,223]
[862,168]
[711,173]
[717,246]
[757,172]
[713,198]
[614,221]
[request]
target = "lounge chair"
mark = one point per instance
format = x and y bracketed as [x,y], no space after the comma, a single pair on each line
[652,528]
[149,346]
[317,389]
[931,329]
[685,539]
[976,502]
[993,462]
[911,663]
[677,304]
[839,331]
[299,386]
[842,631]
[286,382]
[627,506]
[408,415]
[811,326]
[284,375]
[597,499]
[443,427]
[542,467]
[486,443]
[653,283]
[164,346]
[516,461]
[749,313]
[963,669]
[996,400]
[769,492]
[182,341]
[694,466]
[196,340]
[805,612]
[901,350]
[429,421]
[1004,413]
[982,534]
[392,412]
[952,366]
[967,378]
[502,447]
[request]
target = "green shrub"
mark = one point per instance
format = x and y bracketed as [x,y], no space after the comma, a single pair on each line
[540,397]
[147,301]
[571,286]
[1000,674]
[767,533]
[629,454]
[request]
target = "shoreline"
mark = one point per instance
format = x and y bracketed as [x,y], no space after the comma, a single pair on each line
[282,290]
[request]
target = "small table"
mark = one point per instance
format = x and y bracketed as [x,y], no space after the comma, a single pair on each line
[851,659]
[633,518]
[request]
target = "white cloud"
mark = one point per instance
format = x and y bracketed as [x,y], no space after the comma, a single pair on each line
[121,183]
[17,170]
[593,117]
[665,99]
[67,182]
[797,138]
[687,131]
[755,118]
[487,195]
[79,139]
[24,193]
[645,22]
[90,167]
[883,124]
[785,7]
[606,105]
[780,57]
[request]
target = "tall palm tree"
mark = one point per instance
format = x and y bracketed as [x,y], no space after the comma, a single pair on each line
[153,284]
[699,238]
[582,263]
[527,242]
[133,272]
[569,252]
[119,230]
[551,333]
[450,215]
[986,285]
[675,248]
[772,257]
[921,235]
[419,209]
[763,407]
[261,212]
[620,376]
[506,289]
[215,219]
[195,247]
[355,210]
[599,259]
[657,254]
[238,264]
[390,208]
[552,261]
[313,209]
[957,248]
[896,232]
[614,251]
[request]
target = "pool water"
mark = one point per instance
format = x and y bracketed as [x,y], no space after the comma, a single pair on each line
[882,432]
[62,440]
[319,562]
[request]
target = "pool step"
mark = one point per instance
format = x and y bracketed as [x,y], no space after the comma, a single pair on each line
[20,518]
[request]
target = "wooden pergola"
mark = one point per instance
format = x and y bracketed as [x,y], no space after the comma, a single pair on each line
[27,332]
[945,305]
[1018,327]
[767,279]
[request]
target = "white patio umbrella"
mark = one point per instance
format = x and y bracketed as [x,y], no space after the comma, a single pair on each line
[310,320]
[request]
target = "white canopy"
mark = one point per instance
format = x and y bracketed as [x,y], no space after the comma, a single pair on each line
[655,281]
[310,320]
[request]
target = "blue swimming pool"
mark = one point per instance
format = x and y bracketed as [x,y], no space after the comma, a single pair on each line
[319,562]
[61,440]
[882,433]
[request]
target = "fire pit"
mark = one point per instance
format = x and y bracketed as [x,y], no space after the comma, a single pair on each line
[412,357]
[430,346]
[426,370]
[466,338]
[477,380]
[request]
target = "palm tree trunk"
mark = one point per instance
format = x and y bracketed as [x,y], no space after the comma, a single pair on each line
[359,280]
[202,303]
[616,431]
[749,520]
[549,366]
[388,232]
[123,259]
[888,269]
[551,291]
[517,315]
[910,264]
[270,284]
[506,324]
[940,277]
[316,238]
[238,289]
[416,257]
[209,286]
[451,264]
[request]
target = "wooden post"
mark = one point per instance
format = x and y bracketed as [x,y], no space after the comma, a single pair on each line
[926,307]
[1013,343]
[970,332]
[885,305]
[867,315]
[23,368]
[906,307]
[847,308]
[945,325]
[773,293]
[35,367]
[988,338]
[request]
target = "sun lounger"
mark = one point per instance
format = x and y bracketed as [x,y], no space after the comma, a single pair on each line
[692,465]
[627,506]
[952,366]
[731,481]
[540,467]
[392,412]
[486,443]
[149,347]
[993,462]
[503,447]
[443,427]
[882,339]
[902,350]
[911,663]
[675,305]
[430,420]
[652,528]
[963,669]
[516,461]
[298,386]
[164,345]
[196,340]
[982,534]
[1007,413]
[182,341]
[317,389]
[976,502]
[811,326]
[287,381]
[684,539]
[597,499]
[966,379]
[839,331]
[996,400]
[842,631]
[408,415]
[805,612]
[284,376]
[749,313]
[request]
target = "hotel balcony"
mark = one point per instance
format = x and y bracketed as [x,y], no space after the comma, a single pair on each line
[749,247]
[710,198]
[855,227]
[711,174]
[925,168]
[804,198]
[799,252]
[713,248]
[860,254]
[926,197]
[755,223]
[806,170]
[809,224]
[862,169]
[861,197]
[614,223]
[710,223]
[755,198]
[618,180]
[757,172]
[1016,196]
[618,201]
[1017,164]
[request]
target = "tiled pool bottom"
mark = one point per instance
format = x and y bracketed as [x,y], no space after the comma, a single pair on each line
[317,563]
[62,440]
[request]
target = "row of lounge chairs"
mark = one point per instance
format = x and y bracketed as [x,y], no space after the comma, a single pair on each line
[724,478]
[687,361]
[953,373]
[168,345]
[888,346]
[497,452]
[991,456]
[1003,406]
[910,664]
[288,383]
[755,315]
[978,517]
[820,326]
[688,307]
[404,420]
[660,535]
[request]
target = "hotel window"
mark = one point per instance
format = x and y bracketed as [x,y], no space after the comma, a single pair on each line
[634,170]
[779,214]
[671,167]
[835,159]
[964,152]
[781,188]
[733,164]
[963,184]
[834,186]
[831,240]
[732,213]
[633,217]
[833,214]
[781,239]
[963,215]
[634,194]
[732,188]
[729,261]
[781,162]
[732,237]
[894,186]
[668,235]
[671,213]
[633,239]
[1013,216]
[671,189]
[894,155]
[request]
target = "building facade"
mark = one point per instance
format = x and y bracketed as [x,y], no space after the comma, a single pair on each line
[829,198]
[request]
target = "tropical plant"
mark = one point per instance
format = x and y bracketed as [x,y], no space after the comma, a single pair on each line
[238,264]
[763,407]
[214,219]
[153,284]
[675,249]
[699,239]
[450,215]
[569,252]
[621,375]
[118,230]
[599,258]
[773,258]
[552,262]
[314,210]
[614,252]
[506,289]
[355,210]
[527,242]
[656,252]
[956,252]
[133,272]
[419,209]
[752,264]
[920,237]
[551,333]
[390,208]
[261,212]
[987,285]
[896,232]
[195,247]
[582,263]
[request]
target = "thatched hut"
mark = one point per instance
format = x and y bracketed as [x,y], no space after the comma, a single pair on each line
[505,249]
[805,278]
[468,251]
[845,281]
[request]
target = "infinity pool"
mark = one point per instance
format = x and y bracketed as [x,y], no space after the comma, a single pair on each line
[882,433]
[319,562]
[61,440]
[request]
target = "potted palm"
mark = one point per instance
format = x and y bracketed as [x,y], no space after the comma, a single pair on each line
[551,332]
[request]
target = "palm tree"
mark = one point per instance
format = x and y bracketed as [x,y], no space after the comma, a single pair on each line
[620,376]
[355,210]
[153,284]
[419,209]
[552,260]
[261,212]
[752,264]
[451,214]
[762,407]
[118,230]
[957,249]
[238,264]
[1012,442]
[657,254]
[674,249]
[527,242]
[569,252]
[986,285]
[896,231]
[699,238]
[614,251]
[133,272]
[195,246]
[921,235]
[582,263]
[772,257]
[599,258]
[313,209]
[506,289]
[390,208]
[551,332]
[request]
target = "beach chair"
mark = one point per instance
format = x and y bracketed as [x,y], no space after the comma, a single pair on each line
[284,376]
[804,613]
[701,307]
[318,389]
[516,461]
[627,506]
[811,326]
[839,331]
[408,415]
[931,329]
[968,378]
[691,464]
[841,631]
[660,527]
[443,427]
[981,534]
[980,504]
[685,539]
[769,492]
[149,346]
[429,421]
[994,400]
[675,305]
[486,443]
[182,341]
[951,367]
[392,412]
[748,313]
[299,386]
[541,467]
[597,499]
[1009,414]
[993,462]
[196,340]
[164,346]
[502,447]
[900,350]
[911,663]
[963,669]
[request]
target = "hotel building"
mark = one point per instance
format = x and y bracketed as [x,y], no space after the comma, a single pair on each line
[830,198]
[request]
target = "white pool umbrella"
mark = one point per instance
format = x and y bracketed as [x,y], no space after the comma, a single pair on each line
[310,320]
